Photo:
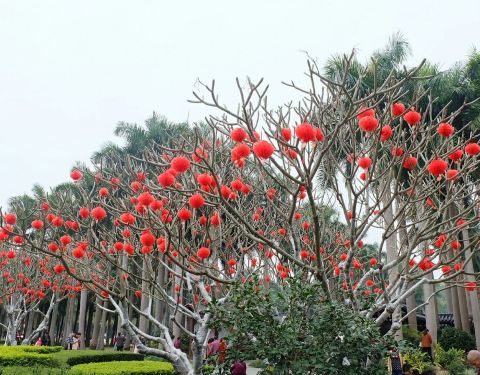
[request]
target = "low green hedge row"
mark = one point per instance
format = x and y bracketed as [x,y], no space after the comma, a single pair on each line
[16,370]
[123,368]
[28,359]
[41,349]
[104,357]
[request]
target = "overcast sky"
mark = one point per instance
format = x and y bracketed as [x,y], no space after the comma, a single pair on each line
[70,70]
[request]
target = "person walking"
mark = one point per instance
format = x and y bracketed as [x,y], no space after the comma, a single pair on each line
[70,340]
[46,341]
[76,342]
[426,343]
[120,342]
[177,343]
[395,362]
[222,351]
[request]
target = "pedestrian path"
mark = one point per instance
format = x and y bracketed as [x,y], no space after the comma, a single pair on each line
[252,370]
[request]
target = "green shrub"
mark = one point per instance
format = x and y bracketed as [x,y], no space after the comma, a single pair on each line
[208,369]
[42,349]
[419,360]
[452,360]
[28,359]
[297,333]
[258,364]
[124,368]
[412,336]
[104,357]
[451,337]
[32,371]
[21,356]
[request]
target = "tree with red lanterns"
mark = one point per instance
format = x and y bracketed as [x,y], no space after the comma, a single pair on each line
[163,236]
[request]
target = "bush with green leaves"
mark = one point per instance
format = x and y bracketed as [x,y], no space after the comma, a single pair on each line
[208,369]
[451,337]
[419,360]
[123,368]
[411,336]
[37,370]
[21,356]
[289,327]
[99,356]
[452,360]
[41,349]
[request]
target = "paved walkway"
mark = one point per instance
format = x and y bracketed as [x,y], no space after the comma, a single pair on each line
[252,370]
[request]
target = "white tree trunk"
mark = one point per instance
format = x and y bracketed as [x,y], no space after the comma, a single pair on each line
[392,254]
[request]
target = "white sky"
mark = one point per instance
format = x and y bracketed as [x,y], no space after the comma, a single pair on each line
[70,70]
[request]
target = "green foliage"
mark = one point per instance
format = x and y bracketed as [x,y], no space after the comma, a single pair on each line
[19,356]
[287,326]
[419,360]
[208,370]
[27,359]
[43,349]
[411,336]
[257,364]
[452,360]
[451,337]
[123,368]
[16,370]
[102,357]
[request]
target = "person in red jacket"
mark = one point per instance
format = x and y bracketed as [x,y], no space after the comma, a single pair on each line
[426,343]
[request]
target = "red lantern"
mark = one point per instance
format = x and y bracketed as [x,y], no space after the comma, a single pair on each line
[203,252]
[196,201]
[412,117]
[180,164]
[184,214]
[368,123]
[305,132]
[238,135]
[437,167]
[386,133]
[398,109]
[166,179]
[445,130]
[472,149]
[365,162]
[98,213]
[76,175]
[263,149]
[37,224]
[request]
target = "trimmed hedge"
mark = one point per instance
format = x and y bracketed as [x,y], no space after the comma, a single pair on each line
[41,349]
[32,371]
[103,357]
[124,368]
[22,356]
[28,359]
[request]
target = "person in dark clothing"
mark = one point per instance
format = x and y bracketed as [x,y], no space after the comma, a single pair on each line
[120,342]
[46,339]
[395,362]
[239,368]
[70,340]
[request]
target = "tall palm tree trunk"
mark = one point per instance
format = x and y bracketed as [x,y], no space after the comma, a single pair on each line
[82,315]
[392,253]
[96,323]
[473,295]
